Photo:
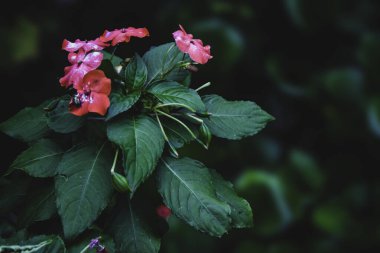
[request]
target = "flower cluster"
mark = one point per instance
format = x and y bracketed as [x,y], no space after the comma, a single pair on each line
[92,87]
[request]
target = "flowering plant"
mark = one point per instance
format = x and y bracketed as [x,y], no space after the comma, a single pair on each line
[120,123]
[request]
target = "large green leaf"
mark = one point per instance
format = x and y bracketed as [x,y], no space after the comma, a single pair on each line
[39,206]
[162,63]
[234,119]
[40,160]
[142,143]
[187,189]
[173,92]
[27,125]
[132,234]
[241,212]
[122,103]
[83,186]
[37,244]
[136,72]
[61,120]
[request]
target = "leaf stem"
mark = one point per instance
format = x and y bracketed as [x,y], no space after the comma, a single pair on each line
[114,161]
[178,121]
[175,104]
[165,136]
[203,86]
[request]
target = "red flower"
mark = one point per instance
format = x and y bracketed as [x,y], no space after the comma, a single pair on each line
[123,35]
[193,47]
[163,211]
[85,45]
[82,64]
[92,94]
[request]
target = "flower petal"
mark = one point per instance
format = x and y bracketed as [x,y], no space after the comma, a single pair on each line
[182,39]
[79,111]
[108,36]
[96,81]
[93,60]
[72,46]
[198,52]
[137,32]
[121,37]
[98,103]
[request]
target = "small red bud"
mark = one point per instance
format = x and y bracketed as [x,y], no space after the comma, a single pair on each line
[163,211]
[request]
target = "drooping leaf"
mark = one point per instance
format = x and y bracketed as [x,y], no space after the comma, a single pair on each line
[163,63]
[142,143]
[40,160]
[37,244]
[136,72]
[173,92]
[83,186]
[241,212]
[121,103]
[234,119]
[39,206]
[187,189]
[132,234]
[27,125]
[61,120]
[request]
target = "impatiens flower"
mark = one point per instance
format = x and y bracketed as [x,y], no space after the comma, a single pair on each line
[85,45]
[123,35]
[82,64]
[193,47]
[92,94]
[163,211]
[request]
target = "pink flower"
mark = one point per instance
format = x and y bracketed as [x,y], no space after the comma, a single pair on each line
[193,47]
[87,46]
[123,35]
[82,64]
[92,94]
[163,211]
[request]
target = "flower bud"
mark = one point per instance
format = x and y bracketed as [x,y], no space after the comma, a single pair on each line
[205,134]
[119,182]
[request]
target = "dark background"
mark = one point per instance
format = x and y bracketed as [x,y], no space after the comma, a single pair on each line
[310,176]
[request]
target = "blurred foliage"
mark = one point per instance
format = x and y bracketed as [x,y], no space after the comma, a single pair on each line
[311,176]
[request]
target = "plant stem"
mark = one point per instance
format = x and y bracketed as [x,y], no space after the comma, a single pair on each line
[203,86]
[166,137]
[114,161]
[178,121]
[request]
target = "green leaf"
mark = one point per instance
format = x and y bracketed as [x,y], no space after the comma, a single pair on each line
[241,212]
[177,134]
[61,120]
[187,189]
[234,119]
[132,234]
[40,160]
[83,187]
[27,125]
[142,143]
[37,244]
[172,92]
[40,206]
[136,72]
[162,63]
[121,103]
